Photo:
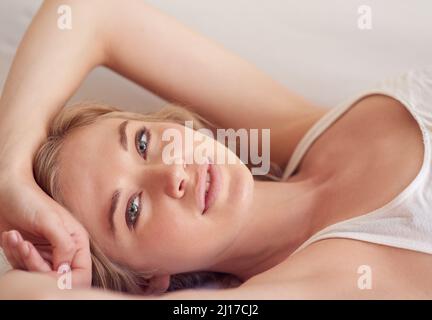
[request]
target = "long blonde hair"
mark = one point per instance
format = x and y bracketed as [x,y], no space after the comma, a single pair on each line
[106,273]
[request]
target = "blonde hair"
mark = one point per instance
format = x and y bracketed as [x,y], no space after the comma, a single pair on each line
[107,274]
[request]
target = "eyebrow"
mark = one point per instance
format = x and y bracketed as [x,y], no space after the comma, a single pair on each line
[116,195]
[122,134]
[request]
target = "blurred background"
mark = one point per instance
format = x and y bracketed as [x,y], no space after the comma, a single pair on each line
[313,47]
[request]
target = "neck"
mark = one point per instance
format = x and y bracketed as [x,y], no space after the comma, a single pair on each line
[280,221]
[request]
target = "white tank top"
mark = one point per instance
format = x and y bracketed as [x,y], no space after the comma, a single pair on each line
[406,220]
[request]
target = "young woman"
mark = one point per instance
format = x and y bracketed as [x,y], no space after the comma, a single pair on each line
[349,218]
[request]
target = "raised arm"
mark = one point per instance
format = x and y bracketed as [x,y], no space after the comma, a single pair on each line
[48,66]
[181,65]
[158,52]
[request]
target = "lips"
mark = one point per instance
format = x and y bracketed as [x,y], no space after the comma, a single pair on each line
[214,186]
[208,187]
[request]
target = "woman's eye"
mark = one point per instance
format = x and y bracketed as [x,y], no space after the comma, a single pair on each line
[142,141]
[133,212]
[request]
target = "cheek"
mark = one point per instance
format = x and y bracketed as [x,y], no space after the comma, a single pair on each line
[174,240]
[167,225]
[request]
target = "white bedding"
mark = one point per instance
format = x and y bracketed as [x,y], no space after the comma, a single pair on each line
[314,48]
[4,265]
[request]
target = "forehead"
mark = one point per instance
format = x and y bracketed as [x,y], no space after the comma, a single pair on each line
[87,146]
[90,166]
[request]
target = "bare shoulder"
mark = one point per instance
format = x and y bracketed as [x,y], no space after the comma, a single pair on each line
[350,269]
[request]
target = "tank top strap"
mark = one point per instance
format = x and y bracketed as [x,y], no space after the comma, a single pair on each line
[406,220]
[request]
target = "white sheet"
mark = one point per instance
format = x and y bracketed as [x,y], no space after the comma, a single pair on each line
[4,265]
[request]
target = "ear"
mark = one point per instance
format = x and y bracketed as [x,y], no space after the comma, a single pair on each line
[159,284]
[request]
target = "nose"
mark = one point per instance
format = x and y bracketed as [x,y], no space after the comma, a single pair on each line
[173,179]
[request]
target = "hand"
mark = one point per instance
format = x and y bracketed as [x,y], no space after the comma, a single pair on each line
[48,67]
[23,255]
[25,207]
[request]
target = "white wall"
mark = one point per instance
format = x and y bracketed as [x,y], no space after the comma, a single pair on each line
[313,47]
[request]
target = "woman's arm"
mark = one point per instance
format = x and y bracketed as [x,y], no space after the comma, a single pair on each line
[40,282]
[49,65]
[18,284]
[152,48]
[180,65]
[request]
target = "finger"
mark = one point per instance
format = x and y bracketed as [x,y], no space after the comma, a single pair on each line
[46,255]
[37,241]
[14,234]
[69,239]
[6,250]
[82,263]
[14,239]
[32,259]
[10,259]
[76,242]
[52,227]
[9,246]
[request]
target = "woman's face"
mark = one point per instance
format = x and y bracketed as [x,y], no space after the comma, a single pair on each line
[157,218]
